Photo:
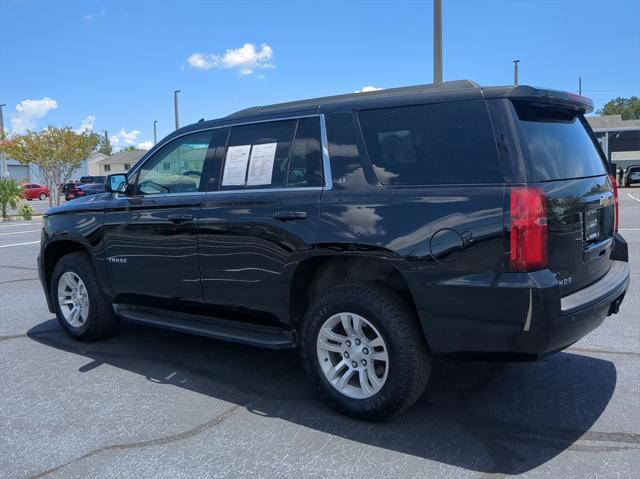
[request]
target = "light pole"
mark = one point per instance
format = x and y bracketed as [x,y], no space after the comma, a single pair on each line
[515,72]
[175,107]
[580,86]
[437,41]
[155,133]
[5,168]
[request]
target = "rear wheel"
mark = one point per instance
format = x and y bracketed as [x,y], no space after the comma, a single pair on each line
[43,196]
[81,307]
[364,351]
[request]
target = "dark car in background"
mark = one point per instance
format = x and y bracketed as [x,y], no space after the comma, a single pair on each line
[78,191]
[631,175]
[374,231]
[92,179]
[69,184]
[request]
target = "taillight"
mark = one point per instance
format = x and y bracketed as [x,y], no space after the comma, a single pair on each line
[614,185]
[528,229]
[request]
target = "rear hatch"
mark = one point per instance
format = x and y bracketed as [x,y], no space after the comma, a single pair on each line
[567,164]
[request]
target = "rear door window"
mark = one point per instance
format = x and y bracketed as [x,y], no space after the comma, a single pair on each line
[557,144]
[257,155]
[446,143]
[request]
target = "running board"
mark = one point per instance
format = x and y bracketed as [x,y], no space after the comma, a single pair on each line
[239,332]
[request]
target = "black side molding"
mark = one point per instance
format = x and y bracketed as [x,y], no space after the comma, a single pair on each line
[251,334]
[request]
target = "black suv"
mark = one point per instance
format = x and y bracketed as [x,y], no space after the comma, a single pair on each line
[374,231]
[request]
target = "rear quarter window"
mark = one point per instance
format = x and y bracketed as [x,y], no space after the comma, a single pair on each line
[557,144]
[445,143]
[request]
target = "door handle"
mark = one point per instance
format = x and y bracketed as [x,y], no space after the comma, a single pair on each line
[179,218]
[290,215]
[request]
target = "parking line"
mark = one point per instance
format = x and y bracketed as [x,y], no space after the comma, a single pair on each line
[18,232]
[633,197]
[17,225]
[18,244]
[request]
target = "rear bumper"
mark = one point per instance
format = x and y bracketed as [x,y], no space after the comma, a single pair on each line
[514,314]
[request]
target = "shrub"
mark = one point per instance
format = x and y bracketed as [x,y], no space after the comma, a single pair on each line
[27,211]
[9,195]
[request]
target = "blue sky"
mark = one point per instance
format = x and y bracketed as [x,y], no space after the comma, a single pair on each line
[118,62]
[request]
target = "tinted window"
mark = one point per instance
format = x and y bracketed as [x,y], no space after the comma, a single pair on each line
[305,167]
[346,163]
[257,156]
[177,167]
[446,143]
[557,144]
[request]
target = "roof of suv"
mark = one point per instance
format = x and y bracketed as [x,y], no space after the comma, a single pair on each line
[458,90]
[351,98]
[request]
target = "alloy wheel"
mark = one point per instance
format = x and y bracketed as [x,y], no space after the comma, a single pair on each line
[73,299]
[353,355]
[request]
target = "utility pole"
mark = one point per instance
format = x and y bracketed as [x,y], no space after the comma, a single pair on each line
[437,41]
[515,72]
[5,168]
[155,133]
[580,86]
[175,107]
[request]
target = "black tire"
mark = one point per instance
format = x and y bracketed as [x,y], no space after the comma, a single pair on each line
[43,196]
[409,361]
[101,320]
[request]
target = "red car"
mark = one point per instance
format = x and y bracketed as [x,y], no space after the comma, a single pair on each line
[33,191]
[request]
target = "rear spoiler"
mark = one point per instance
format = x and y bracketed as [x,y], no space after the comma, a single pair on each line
[564,99]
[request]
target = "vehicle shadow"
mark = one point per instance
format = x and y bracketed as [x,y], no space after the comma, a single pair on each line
[486,417]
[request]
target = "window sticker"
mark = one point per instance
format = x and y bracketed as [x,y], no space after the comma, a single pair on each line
[235,165]
[261,164]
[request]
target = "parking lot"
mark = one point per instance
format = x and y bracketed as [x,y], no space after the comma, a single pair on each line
[153,403]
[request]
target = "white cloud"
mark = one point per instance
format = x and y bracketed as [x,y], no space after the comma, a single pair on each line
[368,88]
[246,59]
[87,124]
[28,111]
[124,137]
[145,145]
[92,16]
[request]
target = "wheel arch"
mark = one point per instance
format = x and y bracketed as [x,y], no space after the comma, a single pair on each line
[55,250]
[319,273]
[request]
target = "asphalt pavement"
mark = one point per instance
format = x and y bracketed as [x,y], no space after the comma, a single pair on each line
[152,403]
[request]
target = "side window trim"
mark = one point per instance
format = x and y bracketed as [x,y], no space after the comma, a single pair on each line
[326,161]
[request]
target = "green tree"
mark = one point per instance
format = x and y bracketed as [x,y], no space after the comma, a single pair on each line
[129,148]
[628,108]
[57,152]
[9,195]
[105,145]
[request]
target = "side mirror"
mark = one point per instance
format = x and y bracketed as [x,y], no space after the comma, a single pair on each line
[116,183]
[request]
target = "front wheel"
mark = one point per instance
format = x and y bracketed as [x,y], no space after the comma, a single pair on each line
[81,307]
[363,349]
[43,196]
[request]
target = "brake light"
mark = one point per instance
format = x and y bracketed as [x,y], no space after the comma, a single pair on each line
[528,229]
[614,185]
